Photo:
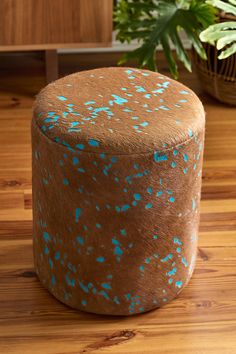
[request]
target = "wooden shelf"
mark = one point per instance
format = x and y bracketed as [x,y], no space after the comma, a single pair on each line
[43,24]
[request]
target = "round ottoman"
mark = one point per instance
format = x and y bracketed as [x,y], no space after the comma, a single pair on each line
[117,159]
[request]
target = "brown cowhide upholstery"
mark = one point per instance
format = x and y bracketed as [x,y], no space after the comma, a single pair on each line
[117,160]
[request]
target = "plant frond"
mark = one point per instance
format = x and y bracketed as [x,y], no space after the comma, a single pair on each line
[224,6]
[228,52]
[154,22]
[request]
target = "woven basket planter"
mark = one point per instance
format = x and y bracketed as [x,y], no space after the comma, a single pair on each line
[217,77]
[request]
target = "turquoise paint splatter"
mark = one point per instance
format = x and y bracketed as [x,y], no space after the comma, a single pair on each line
[45,181]
[119,100]
[175,152]
[70,282]
[82,170]
[75,160]
[177,241]
[185,157]
[144,124]
[114,159]
[65,182]
[89,102]
[103,293]
[118,251]
[137,196]
[78,212]
[80,240]
[140,89]
[83,287]
[169,256]
[148,206]
[53,280]
[172,272]
[116,300]
[57,255]
[172,199]
[165,84]
[46,236]
[179,284]
[80,146]
[93,142]
[183,260]
[125,207]
[149,190]
[62,98]
[51,263]
[159,158]
[100,259]
[106,286]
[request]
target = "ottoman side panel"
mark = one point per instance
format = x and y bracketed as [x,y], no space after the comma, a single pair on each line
[115,234]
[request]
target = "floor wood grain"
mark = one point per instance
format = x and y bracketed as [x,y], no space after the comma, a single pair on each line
[201,321]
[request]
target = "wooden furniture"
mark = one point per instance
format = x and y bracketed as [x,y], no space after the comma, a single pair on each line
[201,320]
[52,24]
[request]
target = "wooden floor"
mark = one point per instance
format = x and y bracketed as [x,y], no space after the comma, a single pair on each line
[202,320]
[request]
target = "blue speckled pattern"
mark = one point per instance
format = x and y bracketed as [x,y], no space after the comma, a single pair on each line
[117,158]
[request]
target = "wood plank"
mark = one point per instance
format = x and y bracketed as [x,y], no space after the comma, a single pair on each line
[15,214]
[42,24]
[96,21]
[12,199]
[51,65]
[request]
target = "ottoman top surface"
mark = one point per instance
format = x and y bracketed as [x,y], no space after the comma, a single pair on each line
[118,111]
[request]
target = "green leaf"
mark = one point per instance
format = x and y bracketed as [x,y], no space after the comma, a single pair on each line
[180,51]
[228,39]
[227,52]
[197,45]
[221,34]
[169,57]
[223,6]
[157,22]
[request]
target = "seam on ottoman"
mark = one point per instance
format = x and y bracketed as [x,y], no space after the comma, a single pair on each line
[185,142]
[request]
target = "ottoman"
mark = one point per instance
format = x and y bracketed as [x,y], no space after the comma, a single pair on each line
[117,160]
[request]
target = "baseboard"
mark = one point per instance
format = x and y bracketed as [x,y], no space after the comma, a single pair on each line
[119,47]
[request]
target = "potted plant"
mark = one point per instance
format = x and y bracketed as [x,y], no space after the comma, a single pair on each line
[159,23]
[218,73]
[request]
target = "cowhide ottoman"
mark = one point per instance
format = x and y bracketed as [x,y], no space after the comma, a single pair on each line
[117,160]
